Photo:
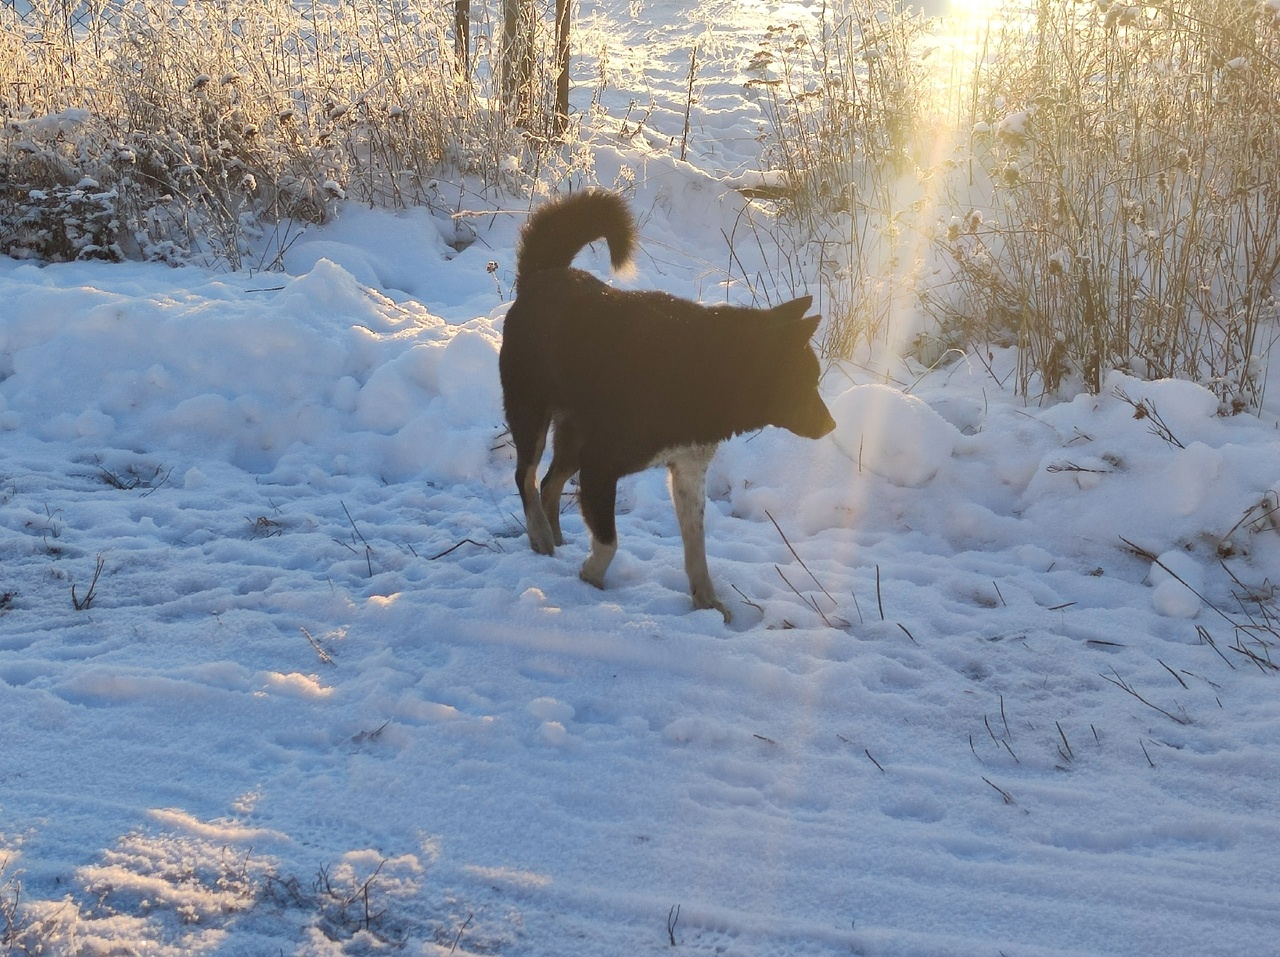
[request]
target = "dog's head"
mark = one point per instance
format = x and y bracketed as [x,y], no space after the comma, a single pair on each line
[796,404]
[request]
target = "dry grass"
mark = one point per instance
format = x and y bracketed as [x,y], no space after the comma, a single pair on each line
[1100,183]
[171,131]
[1129,161]
[846,99]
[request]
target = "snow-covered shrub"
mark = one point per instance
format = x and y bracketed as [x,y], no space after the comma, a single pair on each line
[1130,160]
[58,224]
[206,124]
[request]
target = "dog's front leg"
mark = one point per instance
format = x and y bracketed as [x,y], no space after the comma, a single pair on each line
[597,492]
[688,469]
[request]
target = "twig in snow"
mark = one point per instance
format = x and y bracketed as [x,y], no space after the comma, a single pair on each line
[157,485]
[1264,664]
[1008,798]
[1068,754]
[458,936]
[1259,516]
[745,599]
[673,918]
[1072,467]
[361,737]
[1207,638]
[1124,686]
[1172,672]
[1143,409]
[688,102]
[368,549]
[82,604]
[263,527]
[324,655]
[797,556]
[465,541]
[1212,684]
[808,601]
[1262,597]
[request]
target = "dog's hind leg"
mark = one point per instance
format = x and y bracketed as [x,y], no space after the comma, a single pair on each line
[597,494]
[564,462]
[530,438]
[688,469]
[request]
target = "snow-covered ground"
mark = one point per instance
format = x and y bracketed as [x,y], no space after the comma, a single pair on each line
[322,698]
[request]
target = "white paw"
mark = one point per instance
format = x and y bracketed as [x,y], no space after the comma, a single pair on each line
[702,601]
[541,539]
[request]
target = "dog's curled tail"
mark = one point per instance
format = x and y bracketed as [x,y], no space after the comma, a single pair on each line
[557,231]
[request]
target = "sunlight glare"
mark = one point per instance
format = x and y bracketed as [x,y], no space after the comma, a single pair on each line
[970,9]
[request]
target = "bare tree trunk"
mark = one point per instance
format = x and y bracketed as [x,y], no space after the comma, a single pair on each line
[462,35]
[517,57]
[561,119]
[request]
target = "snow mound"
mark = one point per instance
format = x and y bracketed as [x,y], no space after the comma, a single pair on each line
[892,434]
[1176,580]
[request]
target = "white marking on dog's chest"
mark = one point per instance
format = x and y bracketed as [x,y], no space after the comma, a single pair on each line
[692,455]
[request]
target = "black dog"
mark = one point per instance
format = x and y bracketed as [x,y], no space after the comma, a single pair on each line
[637,379]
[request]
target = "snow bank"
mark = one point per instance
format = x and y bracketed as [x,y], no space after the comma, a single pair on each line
[250,373]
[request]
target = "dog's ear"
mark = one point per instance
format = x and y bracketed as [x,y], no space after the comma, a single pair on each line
[807,327]
[792,311]
[790,319]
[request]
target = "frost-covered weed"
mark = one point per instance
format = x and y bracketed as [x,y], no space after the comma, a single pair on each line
[848,106]
[1131,160]
[204,124]
[1114,202]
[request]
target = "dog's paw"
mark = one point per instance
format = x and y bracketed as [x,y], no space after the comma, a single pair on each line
[597,563]
[541,540]
[701,602]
